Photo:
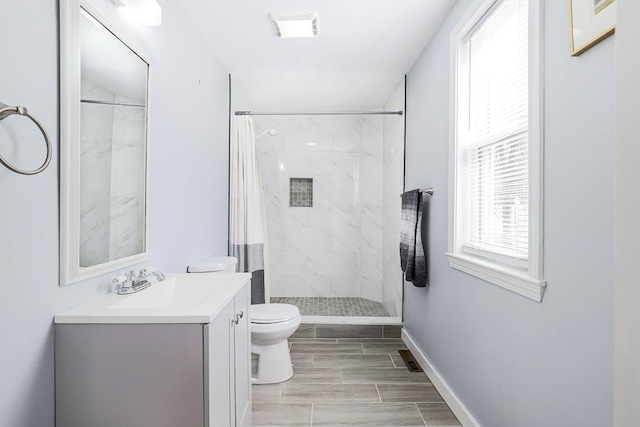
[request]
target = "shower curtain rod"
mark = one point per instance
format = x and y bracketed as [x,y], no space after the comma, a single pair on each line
[316,113]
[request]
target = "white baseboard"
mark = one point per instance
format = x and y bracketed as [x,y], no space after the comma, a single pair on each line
[460,411]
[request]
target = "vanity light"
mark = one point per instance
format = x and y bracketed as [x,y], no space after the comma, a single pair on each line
[146,12]
[295,25]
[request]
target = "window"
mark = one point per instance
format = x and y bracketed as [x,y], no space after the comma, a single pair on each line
[495,230]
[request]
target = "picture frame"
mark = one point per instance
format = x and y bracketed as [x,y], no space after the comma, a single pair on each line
[590,21]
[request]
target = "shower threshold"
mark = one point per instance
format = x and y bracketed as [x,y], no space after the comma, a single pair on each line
[340,310]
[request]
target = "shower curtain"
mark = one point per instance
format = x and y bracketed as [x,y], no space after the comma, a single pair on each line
[247,228]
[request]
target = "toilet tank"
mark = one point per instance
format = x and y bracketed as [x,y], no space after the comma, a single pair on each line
[214,264]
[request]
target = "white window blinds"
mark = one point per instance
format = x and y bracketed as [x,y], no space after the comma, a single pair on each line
[496,139]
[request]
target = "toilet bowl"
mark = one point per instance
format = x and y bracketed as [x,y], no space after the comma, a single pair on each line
[271,327]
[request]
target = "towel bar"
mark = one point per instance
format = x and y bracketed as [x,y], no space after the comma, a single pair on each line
[429,191]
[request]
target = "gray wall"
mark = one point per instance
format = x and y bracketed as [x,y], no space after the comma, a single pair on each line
[627,218]
[512,361]
[187,198]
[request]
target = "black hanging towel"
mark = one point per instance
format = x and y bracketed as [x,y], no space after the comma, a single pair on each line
[412,259]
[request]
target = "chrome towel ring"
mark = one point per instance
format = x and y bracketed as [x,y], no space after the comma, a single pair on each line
[6,111]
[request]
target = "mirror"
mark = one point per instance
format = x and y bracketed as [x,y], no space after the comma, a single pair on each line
[103,145]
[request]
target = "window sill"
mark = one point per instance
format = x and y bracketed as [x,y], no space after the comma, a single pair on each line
[505,277]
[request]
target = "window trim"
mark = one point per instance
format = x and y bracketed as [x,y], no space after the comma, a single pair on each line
[529,282]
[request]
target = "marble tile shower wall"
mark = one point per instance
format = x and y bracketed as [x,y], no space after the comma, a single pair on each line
[95,165]
[127,180]
[335,247]
[110,177]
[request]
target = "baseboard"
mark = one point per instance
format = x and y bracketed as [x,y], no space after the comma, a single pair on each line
[460,411]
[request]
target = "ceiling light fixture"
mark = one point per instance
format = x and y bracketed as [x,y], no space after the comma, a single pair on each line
[287,26]
[146,12]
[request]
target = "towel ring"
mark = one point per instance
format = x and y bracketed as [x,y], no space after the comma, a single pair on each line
[6,111]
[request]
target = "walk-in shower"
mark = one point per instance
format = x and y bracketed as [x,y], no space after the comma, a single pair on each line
[332,187]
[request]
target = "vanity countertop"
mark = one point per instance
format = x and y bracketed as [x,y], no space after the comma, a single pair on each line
[181,298]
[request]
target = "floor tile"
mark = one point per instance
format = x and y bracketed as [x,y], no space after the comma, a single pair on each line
[366,414]
[409,393]
[371,340]
[392,331]
[316,375]
[298,392]
[381,376]
[437,414]
[281,414]
[302,360]
[266,393]
[326,348]
[348,331]
[305,331]
[397,360]
[349,381]
[312,340]
[352,361]
[382,348]
[335,306]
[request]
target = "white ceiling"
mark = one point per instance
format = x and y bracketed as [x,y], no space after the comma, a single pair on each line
[363,50]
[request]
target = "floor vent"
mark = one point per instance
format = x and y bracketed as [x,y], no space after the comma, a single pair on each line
[410,361]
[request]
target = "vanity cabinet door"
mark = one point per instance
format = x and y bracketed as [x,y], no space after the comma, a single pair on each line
[218,339]
[227,344]
[110,375]
[242,351]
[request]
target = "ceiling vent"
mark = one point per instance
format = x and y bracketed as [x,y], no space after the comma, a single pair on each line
[286,26]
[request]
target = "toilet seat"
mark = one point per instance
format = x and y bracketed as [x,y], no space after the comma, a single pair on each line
[273,313]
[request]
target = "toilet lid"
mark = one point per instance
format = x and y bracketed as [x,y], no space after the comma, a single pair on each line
[273,313]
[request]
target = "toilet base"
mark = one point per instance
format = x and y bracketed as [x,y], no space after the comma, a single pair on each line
[273,363]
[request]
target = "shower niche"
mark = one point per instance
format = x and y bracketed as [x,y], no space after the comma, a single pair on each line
[301,192]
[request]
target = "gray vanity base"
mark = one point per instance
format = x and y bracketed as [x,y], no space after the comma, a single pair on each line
[129,375]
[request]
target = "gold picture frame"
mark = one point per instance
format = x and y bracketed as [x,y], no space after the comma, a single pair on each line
[591,21]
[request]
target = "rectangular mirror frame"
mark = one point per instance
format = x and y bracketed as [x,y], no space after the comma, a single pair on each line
[70,146]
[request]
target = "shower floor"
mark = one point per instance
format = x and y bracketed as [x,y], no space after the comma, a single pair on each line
[335,306]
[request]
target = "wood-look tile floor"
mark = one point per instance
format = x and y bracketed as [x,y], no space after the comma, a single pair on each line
[349,376]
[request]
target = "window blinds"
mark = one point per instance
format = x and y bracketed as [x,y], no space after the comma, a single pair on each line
[497,136]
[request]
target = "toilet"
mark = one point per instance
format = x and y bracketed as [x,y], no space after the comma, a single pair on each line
[271,327]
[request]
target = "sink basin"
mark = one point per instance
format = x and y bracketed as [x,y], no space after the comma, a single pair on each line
[181,298]
[176,292]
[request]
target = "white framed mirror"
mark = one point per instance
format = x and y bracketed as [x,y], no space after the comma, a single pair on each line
[103,145]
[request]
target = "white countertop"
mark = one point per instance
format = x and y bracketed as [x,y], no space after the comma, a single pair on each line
[181,298]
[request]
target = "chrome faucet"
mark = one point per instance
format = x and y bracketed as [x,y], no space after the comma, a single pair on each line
[130,283]
[148,271]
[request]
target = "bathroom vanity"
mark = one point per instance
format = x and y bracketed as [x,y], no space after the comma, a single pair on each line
[174,354]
